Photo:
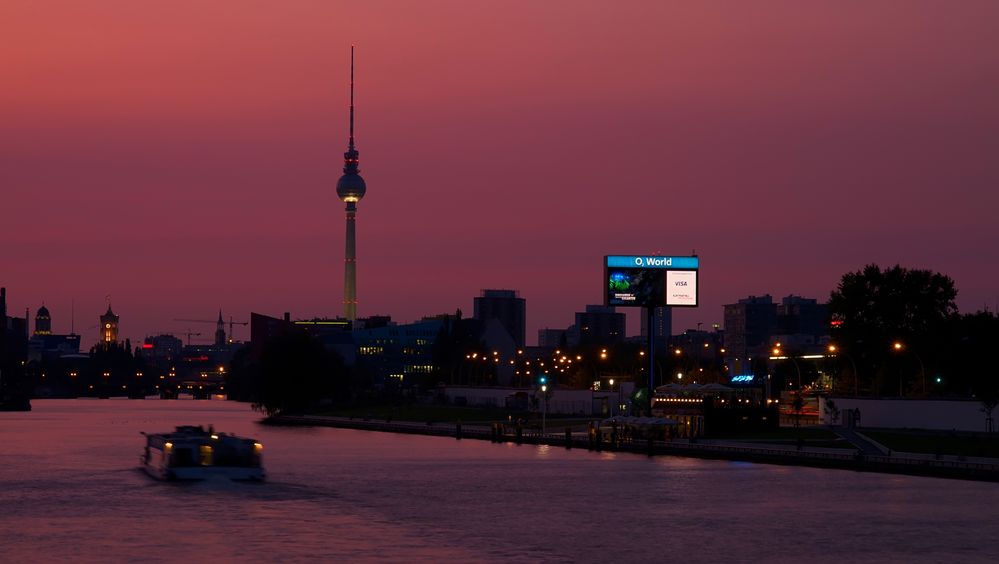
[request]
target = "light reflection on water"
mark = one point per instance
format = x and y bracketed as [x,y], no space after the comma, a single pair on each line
[70,490]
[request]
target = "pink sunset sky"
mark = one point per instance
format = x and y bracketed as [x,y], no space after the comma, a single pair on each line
[182,156]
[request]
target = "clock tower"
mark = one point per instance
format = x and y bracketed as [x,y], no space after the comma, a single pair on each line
[109,328]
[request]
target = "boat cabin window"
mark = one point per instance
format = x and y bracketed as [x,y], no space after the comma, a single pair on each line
[206,455]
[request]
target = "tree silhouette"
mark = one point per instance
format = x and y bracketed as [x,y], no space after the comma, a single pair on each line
[294,372]
[872,308]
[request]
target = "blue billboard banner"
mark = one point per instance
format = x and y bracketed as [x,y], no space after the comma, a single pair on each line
[644,261]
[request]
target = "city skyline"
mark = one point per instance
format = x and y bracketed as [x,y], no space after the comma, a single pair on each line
[184,158]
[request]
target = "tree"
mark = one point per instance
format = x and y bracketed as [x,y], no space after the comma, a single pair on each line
[872,308]
[295,372]
[970,369]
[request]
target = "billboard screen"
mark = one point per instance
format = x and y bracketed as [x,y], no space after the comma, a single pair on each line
[646,281]
[681,288]
[633,287]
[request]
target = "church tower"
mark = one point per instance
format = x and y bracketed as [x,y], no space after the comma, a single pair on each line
[220,332]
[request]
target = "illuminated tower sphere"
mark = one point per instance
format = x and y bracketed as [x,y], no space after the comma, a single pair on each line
[350,188]
[43,323]
[109,327]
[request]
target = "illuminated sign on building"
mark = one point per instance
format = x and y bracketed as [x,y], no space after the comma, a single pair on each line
[651,281]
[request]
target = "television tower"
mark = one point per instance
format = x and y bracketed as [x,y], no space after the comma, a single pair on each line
[350,188]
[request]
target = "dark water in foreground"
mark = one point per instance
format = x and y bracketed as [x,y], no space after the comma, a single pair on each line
[70,491]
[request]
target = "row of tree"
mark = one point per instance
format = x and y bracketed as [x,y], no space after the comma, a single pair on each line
[900,331]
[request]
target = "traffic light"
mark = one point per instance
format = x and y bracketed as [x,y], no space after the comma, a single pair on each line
[543,380]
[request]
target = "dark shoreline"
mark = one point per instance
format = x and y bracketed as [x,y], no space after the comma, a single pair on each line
[845,460]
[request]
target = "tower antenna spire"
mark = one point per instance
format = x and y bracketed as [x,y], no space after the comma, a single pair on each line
[351,143]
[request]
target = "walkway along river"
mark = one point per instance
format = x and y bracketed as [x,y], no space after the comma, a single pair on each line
[896,462]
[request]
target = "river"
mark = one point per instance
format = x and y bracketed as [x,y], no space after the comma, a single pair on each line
[70,490]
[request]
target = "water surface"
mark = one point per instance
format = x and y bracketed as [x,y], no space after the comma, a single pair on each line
[70,490]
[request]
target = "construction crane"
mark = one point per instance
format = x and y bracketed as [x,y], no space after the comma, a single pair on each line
[174,334]
[217,321]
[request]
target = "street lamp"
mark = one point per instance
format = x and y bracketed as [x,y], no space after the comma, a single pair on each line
[777,353]
[833,349]
[898,346]
[544,408]
[611,382]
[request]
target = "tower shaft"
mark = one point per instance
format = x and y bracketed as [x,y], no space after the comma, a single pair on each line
[350,268]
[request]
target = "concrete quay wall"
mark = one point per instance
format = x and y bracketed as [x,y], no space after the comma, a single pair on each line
[905,413]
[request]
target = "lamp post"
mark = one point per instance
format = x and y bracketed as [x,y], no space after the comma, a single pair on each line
[856,377]
[898,346]
[777,353]
[544,408]
[611,382]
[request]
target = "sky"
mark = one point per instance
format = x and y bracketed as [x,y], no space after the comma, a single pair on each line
[182,156]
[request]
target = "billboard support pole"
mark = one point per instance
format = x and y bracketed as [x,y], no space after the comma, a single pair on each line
[651,332]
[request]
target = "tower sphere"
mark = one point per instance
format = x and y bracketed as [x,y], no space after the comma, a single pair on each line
[350,187]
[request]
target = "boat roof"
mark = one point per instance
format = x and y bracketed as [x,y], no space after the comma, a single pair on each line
[194,433]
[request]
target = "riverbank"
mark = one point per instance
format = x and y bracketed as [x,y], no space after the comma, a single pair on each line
[982,469]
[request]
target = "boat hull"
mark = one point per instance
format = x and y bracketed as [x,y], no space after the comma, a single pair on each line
[197,474]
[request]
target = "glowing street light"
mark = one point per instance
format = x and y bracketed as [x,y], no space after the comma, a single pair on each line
[898,346]
[834,350]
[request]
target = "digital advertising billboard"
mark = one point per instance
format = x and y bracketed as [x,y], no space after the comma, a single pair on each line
[650,281]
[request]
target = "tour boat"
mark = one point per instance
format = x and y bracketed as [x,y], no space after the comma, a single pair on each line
[193,453]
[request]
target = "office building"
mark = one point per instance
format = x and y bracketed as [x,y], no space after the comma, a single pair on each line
[803,316]
[552,339]
[662,323]
[508,308]
[749,324]
[598,325]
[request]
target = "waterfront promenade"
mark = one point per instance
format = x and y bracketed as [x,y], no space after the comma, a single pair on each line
[943,466]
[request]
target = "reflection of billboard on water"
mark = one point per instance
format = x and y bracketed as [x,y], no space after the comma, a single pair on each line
[637,281]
